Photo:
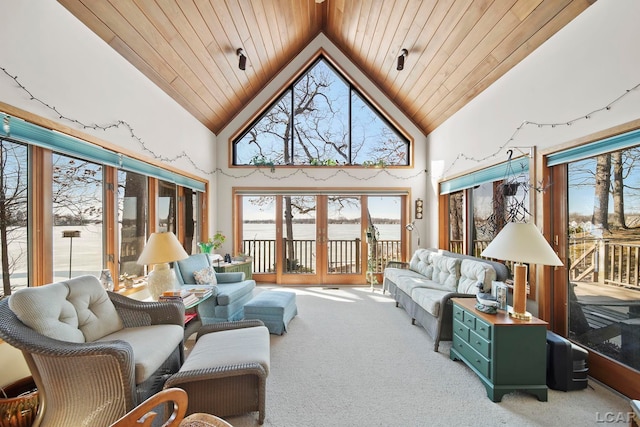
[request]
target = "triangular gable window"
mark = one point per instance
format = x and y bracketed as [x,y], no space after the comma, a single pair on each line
[321,119]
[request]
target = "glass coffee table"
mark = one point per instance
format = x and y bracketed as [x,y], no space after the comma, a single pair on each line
[192,321]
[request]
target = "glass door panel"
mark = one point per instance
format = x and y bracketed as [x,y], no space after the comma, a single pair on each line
[167,194]
[320,239]
[259,232]
[132,220]
[385,224]
[77,217]
[299,234]
[604,250]
[344,231]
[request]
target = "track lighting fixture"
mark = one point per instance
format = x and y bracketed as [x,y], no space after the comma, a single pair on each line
[403,54]
[242,61]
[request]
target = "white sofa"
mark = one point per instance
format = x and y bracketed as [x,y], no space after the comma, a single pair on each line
[425,286]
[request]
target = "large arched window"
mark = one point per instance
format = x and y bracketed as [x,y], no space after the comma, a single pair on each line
[321,119]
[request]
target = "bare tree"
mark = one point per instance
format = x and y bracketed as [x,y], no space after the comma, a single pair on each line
[77,191]
[618,190]
[456,222]
[13,207]
[602,182]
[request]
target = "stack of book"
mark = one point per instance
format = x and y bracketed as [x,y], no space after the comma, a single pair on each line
[201,293]
[183,295]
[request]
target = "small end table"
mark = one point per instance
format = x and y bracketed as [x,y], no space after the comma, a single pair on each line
[192,321]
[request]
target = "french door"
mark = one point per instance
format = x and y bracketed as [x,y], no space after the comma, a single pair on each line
[319,238]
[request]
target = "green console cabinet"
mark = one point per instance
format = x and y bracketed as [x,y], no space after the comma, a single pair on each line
[506,353]
[245,267]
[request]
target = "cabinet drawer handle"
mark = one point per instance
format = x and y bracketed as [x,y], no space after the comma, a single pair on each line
[477,342]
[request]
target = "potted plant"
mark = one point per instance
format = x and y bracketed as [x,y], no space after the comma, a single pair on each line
[214,243]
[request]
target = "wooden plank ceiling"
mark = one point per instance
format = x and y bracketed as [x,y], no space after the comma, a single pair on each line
[457,48]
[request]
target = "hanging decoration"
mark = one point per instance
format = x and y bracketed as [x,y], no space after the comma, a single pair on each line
[184,155]
[510,201]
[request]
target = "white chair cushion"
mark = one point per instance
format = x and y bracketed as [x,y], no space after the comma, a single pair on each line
[429,299]
[446,272]
[151,345]
[421,262]
[230,347]
[76,310]
[472,272]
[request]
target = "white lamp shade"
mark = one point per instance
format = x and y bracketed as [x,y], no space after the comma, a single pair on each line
[522,243]
[161,248]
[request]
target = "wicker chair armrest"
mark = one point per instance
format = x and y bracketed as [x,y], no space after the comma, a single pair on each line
[225,326]
[397,264]
[252,368]
[144,313]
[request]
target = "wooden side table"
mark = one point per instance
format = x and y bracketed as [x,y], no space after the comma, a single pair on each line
[507,354]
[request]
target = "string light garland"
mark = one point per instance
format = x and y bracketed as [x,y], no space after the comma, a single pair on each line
[333,174]
[302,171]
[115,125]
[526,123]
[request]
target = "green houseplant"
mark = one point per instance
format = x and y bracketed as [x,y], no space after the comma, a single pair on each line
[213,243]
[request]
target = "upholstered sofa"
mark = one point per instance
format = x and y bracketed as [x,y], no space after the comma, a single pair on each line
[231,290]
[94,355]
[424,286]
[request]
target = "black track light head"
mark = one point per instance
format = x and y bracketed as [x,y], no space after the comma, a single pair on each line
[242,59]
[403,54]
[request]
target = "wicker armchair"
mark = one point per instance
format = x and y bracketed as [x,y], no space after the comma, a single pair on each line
[109,353]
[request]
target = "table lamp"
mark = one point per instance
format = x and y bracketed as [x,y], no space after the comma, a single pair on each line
[522,243]
[160,250]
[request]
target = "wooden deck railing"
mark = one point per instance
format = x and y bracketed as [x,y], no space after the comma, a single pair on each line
[604,261]
[344,256]
[622,264]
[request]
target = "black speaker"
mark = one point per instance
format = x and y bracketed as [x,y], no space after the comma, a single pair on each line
[567,367]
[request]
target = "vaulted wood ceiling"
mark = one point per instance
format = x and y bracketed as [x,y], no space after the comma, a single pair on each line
[457,48]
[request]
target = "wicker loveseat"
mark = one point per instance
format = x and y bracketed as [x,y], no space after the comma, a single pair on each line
[425,285]
[94,355]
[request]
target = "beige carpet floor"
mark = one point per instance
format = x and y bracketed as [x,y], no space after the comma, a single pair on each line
[351,358]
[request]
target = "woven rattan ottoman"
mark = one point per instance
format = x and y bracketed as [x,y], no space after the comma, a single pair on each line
[226,372]
[274,308]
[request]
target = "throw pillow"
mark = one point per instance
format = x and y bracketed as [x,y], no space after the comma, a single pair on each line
[206,276]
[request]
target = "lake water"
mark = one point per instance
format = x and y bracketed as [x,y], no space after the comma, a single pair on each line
[83,255]
[308,231]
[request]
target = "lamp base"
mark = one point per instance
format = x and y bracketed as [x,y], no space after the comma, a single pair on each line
[160,279]
[520,316]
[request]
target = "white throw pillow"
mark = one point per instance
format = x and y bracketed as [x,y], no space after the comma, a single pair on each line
[206,276]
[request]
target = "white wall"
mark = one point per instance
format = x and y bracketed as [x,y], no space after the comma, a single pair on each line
[62,63]
[413,178]
[583,68]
